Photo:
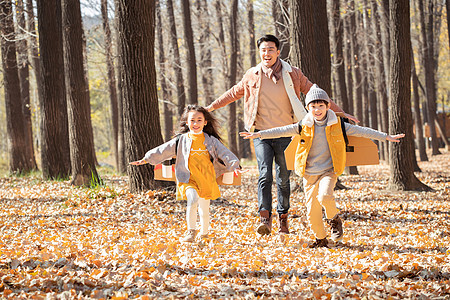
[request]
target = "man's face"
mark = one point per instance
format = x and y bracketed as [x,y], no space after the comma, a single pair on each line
[269,53]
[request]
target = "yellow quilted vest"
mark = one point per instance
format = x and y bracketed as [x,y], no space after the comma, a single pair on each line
[336,144]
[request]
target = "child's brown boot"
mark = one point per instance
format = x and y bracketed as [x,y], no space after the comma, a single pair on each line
[336,228]
[283,222]
[265,226]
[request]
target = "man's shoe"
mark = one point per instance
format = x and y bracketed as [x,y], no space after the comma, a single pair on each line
[190,236]
[265,226]
[336,228]
[283,222]
[319,243]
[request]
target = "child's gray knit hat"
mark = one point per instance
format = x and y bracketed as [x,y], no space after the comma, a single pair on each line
[316,93]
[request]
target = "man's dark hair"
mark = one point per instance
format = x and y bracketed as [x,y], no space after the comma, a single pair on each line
[268,38]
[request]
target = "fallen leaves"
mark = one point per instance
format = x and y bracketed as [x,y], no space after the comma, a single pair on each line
[66,242]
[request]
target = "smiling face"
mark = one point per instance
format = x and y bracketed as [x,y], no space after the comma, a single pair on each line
[318,110]
[269,53]
[196,121]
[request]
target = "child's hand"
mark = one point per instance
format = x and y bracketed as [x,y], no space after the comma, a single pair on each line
[138,162]
[395,138]
[250,135]
[239,171]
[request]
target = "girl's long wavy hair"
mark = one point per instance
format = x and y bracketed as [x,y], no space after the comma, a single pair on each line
[211,122]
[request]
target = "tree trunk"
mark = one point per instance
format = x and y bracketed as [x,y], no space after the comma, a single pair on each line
[417,117]
[280,13]
[402,169]
[221,40]
[379,83]
[137,69]
[383,14]
[168,116]
[348,59]
[204,43]
[55,149]
[81,138]
[34,56]
[303,50]
[251,32]
[234,39]
[111,80]
[337,32]
[19,161]
[189,44]
[181,93]
[447,9]
[24,74]
[430,82]
[364,63]
[356,66]
[322,39]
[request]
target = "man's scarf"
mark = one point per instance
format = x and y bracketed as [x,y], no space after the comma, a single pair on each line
[274,72]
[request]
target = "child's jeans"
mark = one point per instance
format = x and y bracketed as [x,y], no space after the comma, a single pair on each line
[318,194]
[194,202]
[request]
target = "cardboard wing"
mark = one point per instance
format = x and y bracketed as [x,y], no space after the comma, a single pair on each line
[236,179]
[167,173]
[362,152]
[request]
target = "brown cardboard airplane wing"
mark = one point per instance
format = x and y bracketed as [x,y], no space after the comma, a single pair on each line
[167,173]
[360,151]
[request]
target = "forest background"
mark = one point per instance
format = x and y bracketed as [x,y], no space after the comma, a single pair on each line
[224,31]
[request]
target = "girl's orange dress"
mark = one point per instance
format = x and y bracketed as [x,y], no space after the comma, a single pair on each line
[203,176]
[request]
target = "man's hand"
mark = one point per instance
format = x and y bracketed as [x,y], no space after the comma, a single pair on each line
[209,108]
[350,117]
[250,135]
[395,138]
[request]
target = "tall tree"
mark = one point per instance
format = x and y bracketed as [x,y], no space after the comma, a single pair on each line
[402,169]
[303,53]
[136,37]
[322,40]
[447,9]
[55,149]
[203,18]
[81,135]
[191,60]
[251,32]
[18,160]
[168,116]
[234,40]
[181,93]
[336,35]
[111,80]
[417,116]
[348,57]
[24,74]
[430,81]
[280,13]
[379,77]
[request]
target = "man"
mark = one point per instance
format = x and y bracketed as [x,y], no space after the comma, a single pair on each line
[271,91]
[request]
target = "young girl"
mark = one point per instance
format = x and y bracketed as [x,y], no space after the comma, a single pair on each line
[200,159]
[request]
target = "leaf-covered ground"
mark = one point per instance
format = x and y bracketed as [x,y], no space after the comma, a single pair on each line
[63,242]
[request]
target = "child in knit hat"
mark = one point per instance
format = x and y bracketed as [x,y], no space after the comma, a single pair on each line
[320,158]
